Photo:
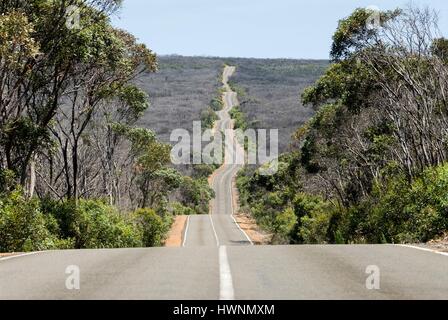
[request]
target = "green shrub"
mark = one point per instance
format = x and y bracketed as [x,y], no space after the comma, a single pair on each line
[316,219]
[216,104]
[414,212]
[179,209]
[400,211]
[239,117]
[202,171]
[22,225]
[93,224]
[429,199]
[208,118]
[196,194]
[283,224]
[7,180]
[314,227]
[152,226]
[33,225]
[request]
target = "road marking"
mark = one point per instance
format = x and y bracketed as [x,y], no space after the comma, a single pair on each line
[226,291]
[233,215]
[21,255]
[214,230]
[423,249]
[226,169]
[230,106]
[186,231]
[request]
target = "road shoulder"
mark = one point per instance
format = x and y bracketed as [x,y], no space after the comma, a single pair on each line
[175,234]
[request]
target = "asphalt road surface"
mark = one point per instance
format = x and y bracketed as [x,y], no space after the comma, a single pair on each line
[217,261]
[200,273]
[220,227]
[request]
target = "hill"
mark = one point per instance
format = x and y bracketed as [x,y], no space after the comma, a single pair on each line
[185,86]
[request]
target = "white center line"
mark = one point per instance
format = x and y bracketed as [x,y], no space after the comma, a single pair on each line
[214,230]
[229,96]
[186,231]
[226,291]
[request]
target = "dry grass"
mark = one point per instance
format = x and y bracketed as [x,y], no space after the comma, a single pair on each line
[175,236]
[440,244]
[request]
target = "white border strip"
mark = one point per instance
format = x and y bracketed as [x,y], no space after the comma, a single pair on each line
[21,255]
[226,291]
[423,249]
[186,232]
[214,230]
[233,213]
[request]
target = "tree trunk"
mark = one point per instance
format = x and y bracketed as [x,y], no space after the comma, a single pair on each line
[32,184]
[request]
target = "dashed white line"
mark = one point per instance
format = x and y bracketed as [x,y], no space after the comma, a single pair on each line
[226,291]
[228,96]
[186,232]
[214,230]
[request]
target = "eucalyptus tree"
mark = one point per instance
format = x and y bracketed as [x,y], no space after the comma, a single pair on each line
[37,59]
[382,105]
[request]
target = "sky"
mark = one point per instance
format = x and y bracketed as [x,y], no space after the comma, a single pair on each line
[247,28]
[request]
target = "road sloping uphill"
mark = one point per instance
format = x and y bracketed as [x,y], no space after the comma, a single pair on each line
[220,228]
[219,262]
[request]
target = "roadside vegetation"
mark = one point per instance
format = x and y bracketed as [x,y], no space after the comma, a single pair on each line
[78,167]
[209,116]
[267,91]
[236,113]
[371,165]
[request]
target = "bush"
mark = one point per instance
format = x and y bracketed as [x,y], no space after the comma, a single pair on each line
[201,171]
[93,224]
[412,212]
[314,227]
[400,211]
[429,204]
[315,219]
[152,226]
[23,227]
[216,103]
[33,225]
[7,180]
[196,194]
[179,209]
[284,223]
[239,117]
[208,118]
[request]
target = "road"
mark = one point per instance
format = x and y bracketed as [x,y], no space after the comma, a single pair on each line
[220,227]
[257,272]
[217,261]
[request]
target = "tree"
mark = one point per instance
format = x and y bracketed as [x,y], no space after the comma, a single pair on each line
[380,102]
[54,78]
[99,93]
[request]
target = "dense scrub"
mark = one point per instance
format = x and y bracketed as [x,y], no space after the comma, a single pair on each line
[371,165]
[46,224]
[267,90]
[79,167]
[395,211]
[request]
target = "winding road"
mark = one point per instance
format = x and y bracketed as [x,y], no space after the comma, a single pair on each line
[217,261]
[220,227]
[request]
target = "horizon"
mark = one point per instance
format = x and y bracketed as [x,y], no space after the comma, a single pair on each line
[242,58]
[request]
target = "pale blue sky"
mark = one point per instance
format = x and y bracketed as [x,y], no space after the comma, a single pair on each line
[256,28]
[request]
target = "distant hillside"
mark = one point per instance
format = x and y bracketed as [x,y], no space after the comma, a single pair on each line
[184,87]
[273,89]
